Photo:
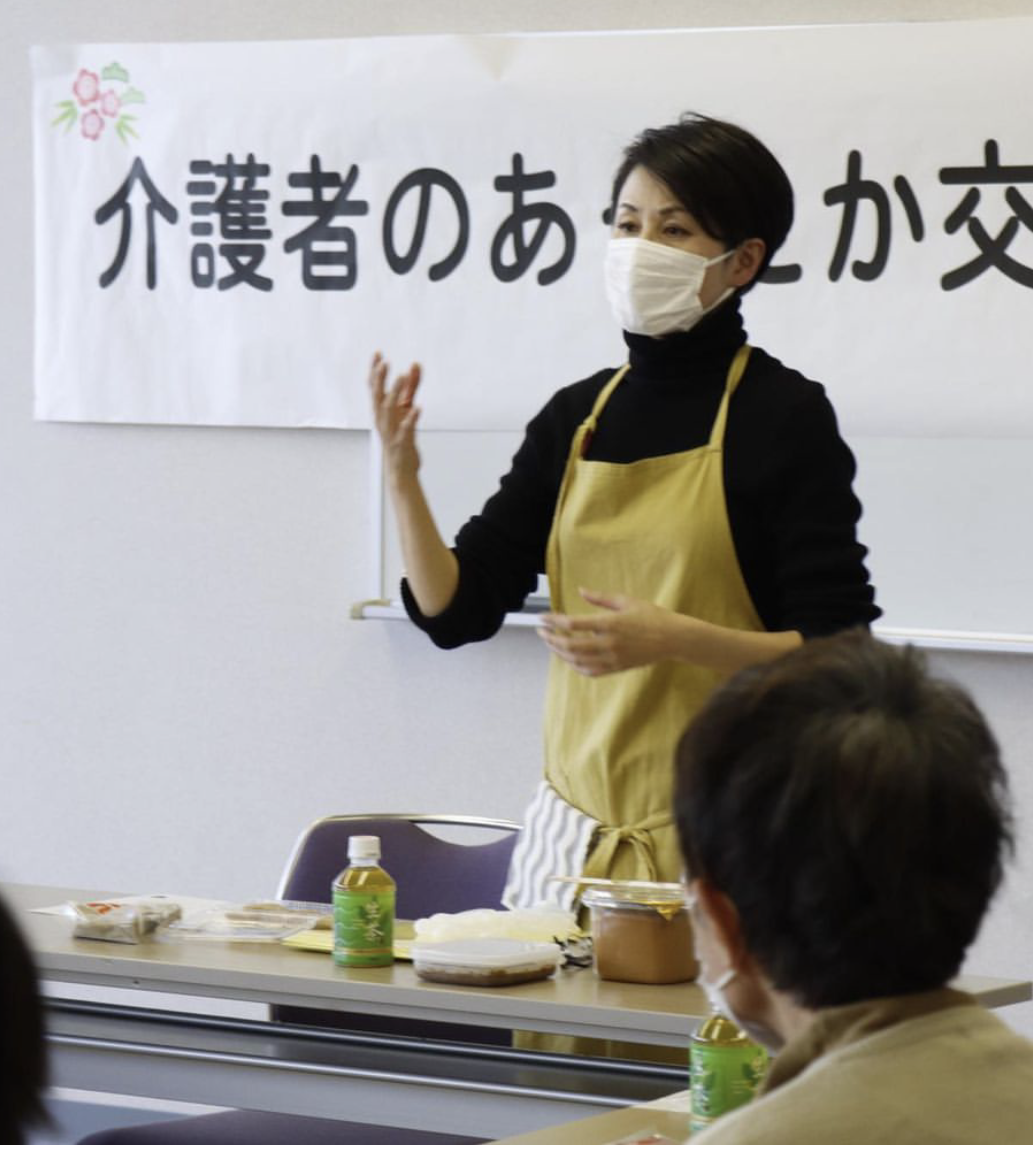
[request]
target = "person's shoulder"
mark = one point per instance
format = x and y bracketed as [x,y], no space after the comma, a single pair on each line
[548,435]
[584,391]
[774,401]
[571,404]
[768,382]
[980,1027]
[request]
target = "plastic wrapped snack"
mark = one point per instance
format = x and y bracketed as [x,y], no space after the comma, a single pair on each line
[121,922]
[254,922]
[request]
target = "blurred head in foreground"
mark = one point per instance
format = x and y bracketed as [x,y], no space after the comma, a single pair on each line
[844,820]
[22,1054]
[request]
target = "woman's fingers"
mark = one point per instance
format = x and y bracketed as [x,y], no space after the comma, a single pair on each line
[411,382]
[585,659]
[393,409]
[579,643]
[403,390]
[396,397]
[588,653]
[377,383]
[377,376]
[574,623]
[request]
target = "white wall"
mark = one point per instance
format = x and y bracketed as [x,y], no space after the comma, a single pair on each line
[181,686]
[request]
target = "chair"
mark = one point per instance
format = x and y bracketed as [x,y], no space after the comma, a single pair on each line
[433,875]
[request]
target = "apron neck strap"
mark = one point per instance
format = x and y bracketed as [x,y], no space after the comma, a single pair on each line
[735,374]
[587,428]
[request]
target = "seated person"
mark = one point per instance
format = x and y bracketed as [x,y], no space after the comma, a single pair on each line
[22,1054]
[844,818]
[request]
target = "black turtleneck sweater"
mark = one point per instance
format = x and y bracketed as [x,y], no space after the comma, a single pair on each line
[787,474]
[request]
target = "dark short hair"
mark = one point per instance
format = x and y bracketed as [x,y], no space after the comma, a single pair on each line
[721,174]
[22,1053]
[854,809]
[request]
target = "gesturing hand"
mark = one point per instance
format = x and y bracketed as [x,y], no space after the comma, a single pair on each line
[628,632]
[395,417]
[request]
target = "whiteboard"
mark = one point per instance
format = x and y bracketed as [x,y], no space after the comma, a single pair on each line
[947,521]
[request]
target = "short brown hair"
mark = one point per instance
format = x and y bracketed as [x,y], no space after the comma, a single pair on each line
[720,173]
[854,809]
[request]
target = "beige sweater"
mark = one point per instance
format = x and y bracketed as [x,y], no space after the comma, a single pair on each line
[923,1069]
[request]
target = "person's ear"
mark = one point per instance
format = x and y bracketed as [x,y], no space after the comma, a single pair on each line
[723,919]
[746,262]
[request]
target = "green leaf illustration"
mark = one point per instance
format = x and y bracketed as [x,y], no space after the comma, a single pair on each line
[132,96]
[67,115]
[115,71]
[124,128]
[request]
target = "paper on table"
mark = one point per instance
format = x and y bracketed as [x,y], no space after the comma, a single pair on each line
[322,941]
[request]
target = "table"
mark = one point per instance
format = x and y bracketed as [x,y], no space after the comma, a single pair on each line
[668,1117]
[478,1091]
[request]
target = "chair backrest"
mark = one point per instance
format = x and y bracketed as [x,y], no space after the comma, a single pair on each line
[433,875]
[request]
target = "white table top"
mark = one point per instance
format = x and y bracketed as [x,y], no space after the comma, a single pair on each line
[574,1002]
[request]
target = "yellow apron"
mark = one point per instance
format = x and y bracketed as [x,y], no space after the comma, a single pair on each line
[656,529]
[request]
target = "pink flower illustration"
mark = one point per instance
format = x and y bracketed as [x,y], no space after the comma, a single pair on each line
[92,125]
[86,87]
[110,103]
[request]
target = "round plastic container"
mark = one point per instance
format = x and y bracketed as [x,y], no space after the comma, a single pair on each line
[485,961]
[642,934]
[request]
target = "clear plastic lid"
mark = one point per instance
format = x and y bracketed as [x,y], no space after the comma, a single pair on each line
[240,924]
[666,897]
[363,847]
[485,954]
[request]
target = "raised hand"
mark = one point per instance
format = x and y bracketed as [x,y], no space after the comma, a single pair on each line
[395,417]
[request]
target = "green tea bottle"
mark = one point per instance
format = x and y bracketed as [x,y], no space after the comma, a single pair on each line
[725,1068]
[364,907]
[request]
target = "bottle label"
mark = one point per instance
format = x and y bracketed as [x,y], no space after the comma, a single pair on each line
[364,926]
[722,1077]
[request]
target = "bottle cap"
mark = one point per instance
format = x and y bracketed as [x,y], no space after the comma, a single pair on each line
[718,1030]
[363,846]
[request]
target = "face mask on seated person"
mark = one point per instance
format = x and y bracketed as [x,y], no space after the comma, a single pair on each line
[719,1003]
[654,289]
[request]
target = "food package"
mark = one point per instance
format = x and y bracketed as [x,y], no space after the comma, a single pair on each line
[121,922]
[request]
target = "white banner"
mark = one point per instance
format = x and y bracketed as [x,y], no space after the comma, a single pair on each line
[226,232]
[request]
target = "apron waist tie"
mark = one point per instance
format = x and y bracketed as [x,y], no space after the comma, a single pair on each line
[608,839]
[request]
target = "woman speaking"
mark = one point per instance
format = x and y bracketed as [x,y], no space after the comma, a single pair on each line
[693,510]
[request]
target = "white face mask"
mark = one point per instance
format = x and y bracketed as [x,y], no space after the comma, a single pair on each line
[654,289]
[719,1004]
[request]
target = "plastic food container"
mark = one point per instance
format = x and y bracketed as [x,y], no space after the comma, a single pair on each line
[241,924]
[485,961]
[642,933]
